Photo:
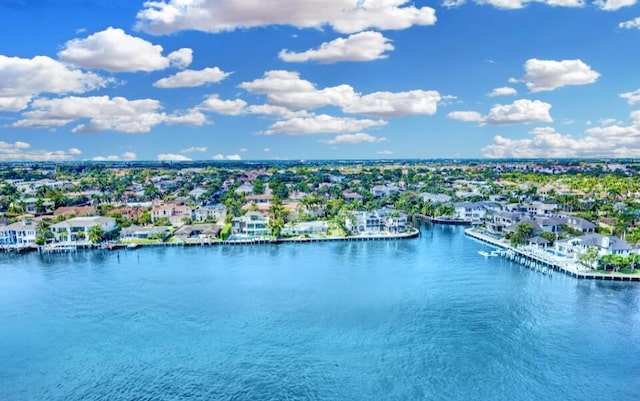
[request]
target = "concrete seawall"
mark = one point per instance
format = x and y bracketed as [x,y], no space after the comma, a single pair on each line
[539,257]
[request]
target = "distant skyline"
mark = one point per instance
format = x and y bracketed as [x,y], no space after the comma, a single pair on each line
[331,79]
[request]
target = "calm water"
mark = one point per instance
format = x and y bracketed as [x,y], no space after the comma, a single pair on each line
[403,320]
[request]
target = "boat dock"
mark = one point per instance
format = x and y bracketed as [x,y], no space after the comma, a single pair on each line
[541,260]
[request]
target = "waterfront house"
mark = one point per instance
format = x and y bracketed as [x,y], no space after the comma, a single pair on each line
[200,231]
[310,228]
[146,232]
[379,221]
[605,244]
[538,241]
[252,224]
[77,229]
[19,234]
[501,220]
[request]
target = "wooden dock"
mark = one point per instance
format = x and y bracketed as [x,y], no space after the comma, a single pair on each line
[545,262]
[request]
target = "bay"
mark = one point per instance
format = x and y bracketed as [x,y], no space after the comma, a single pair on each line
[420,319]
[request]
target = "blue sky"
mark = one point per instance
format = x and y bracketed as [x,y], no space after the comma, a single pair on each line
[228,79]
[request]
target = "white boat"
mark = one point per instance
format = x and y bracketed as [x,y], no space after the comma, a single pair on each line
[484,253]
[133,246]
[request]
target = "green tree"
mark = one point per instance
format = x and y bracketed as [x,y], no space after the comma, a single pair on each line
[96,234]
[277,215]
[589,258]
[522,233]
[43,234]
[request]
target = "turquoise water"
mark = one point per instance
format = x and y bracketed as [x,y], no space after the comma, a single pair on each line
[423,319]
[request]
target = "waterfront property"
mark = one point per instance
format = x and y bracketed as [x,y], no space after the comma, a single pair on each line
[20,234]
[143,233]
[252,224]
[76,230]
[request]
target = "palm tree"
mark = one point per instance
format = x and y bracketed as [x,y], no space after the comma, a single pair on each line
[277,214]
[96,234]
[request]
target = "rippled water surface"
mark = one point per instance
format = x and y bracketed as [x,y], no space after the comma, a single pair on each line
[399,320]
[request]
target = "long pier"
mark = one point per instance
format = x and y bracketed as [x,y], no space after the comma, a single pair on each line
[540,259]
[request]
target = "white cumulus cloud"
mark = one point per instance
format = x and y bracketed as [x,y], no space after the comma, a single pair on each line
[520,111]
[632,97]
[362,46]
[517,4]
[287,89]
[124,156]
[605,141]
[546,75]
[613,5]
[101,113]
[194,149]
[503,91]
[114,50]
[22,79]
[321,124]
[389,104]
[352,139]
[630,24]
[220,156]
[172,157]
[21,151]
[469,116]
[192,78]
[230,107]
[346,16]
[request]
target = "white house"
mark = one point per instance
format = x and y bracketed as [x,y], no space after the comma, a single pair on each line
[252,224]
[606,245]
[210,212]
[472,212]
[77,229]
[378,221]
[20,234]
[306,228]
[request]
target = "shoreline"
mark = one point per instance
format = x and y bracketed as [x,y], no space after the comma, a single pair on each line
[527,256]
[70,247]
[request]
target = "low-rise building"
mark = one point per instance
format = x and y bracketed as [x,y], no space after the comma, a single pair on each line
[215,213]
[605,244]
[146,232]
[200,231]
[19,234]
[379,221]
[77,229]
[252,224]
[306,228]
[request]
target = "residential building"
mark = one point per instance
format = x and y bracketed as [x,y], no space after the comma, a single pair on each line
[200,231]
[472,212]
[20,234]
[606,245]
[174,213]
[77,229]
[147,232]
[215,213]
[306,228]
[252,224]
